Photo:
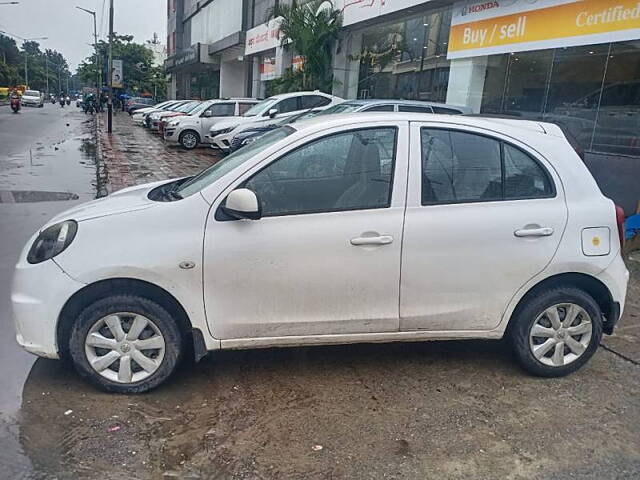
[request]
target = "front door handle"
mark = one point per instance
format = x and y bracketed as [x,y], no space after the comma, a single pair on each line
[534,232]
[381,240]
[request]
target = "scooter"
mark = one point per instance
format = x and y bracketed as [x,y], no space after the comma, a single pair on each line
[53,100]
[68,100]
[15,105]
[62,102]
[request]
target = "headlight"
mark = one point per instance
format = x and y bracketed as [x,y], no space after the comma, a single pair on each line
[174,123]
[222,131]
[52,241]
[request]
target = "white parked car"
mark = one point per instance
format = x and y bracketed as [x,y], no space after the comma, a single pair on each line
[339,229]
[278,106]
[153,120]
[139,116]
[191,130]
[32,98]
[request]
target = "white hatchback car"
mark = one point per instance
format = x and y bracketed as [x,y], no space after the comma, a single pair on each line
[339,229]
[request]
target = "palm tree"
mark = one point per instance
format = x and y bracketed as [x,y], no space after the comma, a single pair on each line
[311,30]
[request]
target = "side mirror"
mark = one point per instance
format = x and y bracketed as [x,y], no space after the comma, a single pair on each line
[243,204]
[273,112]
[206,114]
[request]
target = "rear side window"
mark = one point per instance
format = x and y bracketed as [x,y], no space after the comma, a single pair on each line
[523,176]
[414,109]
[446,111]
[460,167]
[223,110]
[312,101]
[243,107]
[380,108]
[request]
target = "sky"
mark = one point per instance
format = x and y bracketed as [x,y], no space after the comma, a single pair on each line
[70,31]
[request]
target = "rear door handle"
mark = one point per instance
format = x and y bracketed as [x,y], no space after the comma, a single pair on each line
[534,232]
[381,240]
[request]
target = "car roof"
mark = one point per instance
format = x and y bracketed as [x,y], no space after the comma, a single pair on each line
[300,94]
[383,101]
[495,124]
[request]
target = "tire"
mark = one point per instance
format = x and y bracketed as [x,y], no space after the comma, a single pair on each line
[189,139]
[161,362]
[538,311]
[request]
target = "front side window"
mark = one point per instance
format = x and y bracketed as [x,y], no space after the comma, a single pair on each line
[223,110]
[414,109]
[380,108]
[287,105]
[460,167]
[345,171]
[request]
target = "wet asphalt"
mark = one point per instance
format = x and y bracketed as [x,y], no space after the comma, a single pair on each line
[439,410]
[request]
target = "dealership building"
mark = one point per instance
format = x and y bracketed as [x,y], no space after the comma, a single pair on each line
[571,62]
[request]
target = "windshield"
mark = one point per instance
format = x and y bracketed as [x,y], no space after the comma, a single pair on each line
[261,107]
[187,107]
[200,108]
[32,93]
[342,108]
[218,170]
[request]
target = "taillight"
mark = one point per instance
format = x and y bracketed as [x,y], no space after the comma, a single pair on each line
[620,222]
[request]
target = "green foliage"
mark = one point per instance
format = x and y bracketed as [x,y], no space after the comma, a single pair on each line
[310,30]
[290,81]
[140,75]
[40,65]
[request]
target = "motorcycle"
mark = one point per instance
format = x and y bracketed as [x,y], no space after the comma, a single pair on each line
[62,102]
[68,100]
[15,105]
[53,100]
[88,108]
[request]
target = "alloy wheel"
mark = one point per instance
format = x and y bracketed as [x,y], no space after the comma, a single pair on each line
[560,334]
[125,347]
[189,141]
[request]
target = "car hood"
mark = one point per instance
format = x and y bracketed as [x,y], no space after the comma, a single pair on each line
[29,97]
[123,201]
[232,123]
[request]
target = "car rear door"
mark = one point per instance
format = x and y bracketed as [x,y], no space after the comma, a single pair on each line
[485,214]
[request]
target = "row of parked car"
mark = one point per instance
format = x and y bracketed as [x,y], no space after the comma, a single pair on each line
[231,123]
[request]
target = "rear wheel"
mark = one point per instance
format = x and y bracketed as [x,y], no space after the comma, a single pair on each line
[189,139]
[556,332]
[125,344]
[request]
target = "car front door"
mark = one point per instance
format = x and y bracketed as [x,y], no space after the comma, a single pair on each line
[325,256]
[213,114]
[484,216]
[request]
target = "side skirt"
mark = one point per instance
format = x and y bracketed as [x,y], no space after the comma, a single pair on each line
[296,341]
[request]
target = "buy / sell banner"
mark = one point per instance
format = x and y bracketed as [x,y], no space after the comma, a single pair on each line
[491,27]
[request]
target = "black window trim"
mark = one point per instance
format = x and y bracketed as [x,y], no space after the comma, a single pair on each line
[502,143]
[396,130]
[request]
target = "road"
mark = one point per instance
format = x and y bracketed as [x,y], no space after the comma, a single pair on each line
[438,410]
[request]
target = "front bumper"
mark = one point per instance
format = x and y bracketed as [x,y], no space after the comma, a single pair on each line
[38,294]
[221,142]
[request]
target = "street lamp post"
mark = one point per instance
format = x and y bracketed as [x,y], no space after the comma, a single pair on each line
[95,37]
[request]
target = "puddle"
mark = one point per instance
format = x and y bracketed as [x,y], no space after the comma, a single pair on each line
[60,171]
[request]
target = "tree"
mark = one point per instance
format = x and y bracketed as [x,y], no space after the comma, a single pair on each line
[39,64]
[140,75]
[310,30]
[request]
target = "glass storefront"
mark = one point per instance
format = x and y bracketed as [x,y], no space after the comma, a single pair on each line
[406,59]
[592,91]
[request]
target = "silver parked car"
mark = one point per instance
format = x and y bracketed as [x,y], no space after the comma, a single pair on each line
[382,105]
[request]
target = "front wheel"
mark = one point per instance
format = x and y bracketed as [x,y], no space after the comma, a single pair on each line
[189,139]
[125,344]
[556,332]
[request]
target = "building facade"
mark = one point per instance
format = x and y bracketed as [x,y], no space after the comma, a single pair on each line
[572,62]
